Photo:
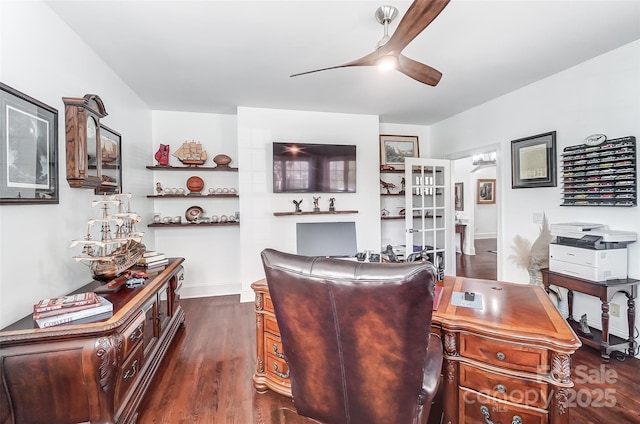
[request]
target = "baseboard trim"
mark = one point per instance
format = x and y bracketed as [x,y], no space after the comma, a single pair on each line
[207,290]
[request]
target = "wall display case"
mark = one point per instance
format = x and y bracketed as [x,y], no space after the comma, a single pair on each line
[600,175]
[184,192]
[82,127]
[111,161]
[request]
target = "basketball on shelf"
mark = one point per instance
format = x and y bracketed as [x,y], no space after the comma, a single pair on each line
[195,185]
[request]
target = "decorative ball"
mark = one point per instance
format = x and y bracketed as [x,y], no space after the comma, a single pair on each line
[195,184]
[222,160]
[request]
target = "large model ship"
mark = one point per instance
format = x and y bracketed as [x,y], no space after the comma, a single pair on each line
[119,245]
[191,153]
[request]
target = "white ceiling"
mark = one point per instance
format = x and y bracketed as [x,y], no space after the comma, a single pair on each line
[212,56]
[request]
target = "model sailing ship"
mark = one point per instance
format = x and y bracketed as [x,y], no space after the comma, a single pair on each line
[119,246]
[191,153]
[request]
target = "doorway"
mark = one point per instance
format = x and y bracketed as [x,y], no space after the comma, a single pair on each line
[476,178]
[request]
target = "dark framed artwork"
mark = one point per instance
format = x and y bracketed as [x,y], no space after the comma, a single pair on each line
[111,158]
[29,144]
[395,148]
[486,191]
[458,194]
[533,161]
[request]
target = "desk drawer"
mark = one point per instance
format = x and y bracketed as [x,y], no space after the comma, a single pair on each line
[268,305]
[503,354]
[277,369]
[271,325]
[133,334]
[517,390]
[273,346]
[477,408]
[128,374]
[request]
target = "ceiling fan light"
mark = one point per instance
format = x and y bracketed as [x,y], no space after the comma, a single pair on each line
[387,63]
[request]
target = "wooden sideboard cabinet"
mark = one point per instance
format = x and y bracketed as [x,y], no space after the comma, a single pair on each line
[508,362]
[97,372]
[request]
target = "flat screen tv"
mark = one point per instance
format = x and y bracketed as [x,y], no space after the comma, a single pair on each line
[314,168]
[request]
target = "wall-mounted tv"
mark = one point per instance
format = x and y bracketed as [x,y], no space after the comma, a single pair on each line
[314,168]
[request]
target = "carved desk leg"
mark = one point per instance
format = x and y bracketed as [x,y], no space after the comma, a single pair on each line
[258,378]
[450,379]
[561,373]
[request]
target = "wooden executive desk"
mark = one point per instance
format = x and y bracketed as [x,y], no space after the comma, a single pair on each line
[509,362]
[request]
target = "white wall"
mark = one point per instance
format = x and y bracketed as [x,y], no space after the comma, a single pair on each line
[601,95]
[212,254]
[257,130]
[40,56]
[485,215]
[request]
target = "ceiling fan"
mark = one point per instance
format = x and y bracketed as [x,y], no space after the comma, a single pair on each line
[388,50]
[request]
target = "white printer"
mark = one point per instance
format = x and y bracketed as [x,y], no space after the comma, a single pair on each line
[589,251]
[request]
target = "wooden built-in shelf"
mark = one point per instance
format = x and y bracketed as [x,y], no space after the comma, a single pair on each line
[190,196]
[402,217]
[201,224]
[192,168]
[313,213]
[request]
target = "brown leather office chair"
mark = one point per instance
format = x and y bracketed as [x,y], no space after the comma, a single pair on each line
[356,337]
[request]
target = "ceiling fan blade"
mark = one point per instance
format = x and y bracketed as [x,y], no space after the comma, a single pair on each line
[419,71]
[420,14]
[368,60]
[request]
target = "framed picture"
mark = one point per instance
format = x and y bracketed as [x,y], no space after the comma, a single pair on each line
[110,144]
[533,161]
[486,192]
[395,148]
[458,194]
[29,145]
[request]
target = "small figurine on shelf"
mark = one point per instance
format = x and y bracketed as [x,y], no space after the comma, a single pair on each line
[387,186]
[316,200]
[162,155]
[159,188]
[584,329]
[402,183]
[297,203]
[332,202]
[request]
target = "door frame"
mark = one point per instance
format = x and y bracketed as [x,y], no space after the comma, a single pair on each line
[500,192]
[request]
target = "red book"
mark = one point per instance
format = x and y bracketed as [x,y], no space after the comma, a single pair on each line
[64,302]
[437,297]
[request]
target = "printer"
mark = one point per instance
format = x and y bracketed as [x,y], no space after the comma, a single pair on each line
[589,251]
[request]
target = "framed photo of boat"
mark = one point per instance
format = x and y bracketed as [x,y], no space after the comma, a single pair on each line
[29,149]
[395,148]
[111,158]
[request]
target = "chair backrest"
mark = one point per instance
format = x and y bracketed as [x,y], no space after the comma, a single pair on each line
[355,335]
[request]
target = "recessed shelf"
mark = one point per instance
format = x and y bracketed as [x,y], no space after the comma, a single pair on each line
[201,224]
[192,168]
[191,196]
[313,213]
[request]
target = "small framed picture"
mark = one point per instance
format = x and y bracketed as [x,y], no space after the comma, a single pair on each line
[395,148]
[29,149]
[533,161]
[110,144]
[486,191]
[458,194]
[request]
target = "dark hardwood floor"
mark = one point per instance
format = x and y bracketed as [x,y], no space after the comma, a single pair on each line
[481,265]
[206,375]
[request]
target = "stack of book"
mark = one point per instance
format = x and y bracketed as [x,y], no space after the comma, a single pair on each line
[73,309]
[152,259]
